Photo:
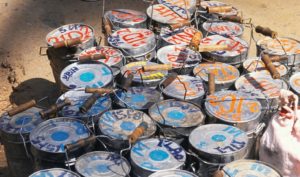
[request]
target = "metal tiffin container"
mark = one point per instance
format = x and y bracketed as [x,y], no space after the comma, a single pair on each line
[54,172]
[222,28]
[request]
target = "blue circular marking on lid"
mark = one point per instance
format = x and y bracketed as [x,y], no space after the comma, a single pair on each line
[128,126]
[102,168]
[60,136]
[158,155]
[87,77]
[23,120]
[218,138]
[138,98]
[176,115]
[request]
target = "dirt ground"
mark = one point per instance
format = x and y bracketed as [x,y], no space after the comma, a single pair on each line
[25,75]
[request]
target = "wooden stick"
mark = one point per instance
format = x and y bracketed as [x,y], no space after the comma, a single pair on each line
[21,108]
[269,65]
[67,43]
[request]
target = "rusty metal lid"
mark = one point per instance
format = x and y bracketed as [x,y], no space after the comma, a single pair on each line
[52,135]
[223,28]
[236,45]
[295,82]
[125,17]
[224,73]
[77,99]
[120,123]
[180,36]
[70,31]
[173,173]
[54,172]
[245,168]
[135,69]
[193,86]
[261,85]
[205,4]
[178,56]
[102,163]
[167,13]
[219,140]
[255,64]
[23,122]
[275,46]
[157,154]
[233,106]
[81,75]
[190,5]
[176,113]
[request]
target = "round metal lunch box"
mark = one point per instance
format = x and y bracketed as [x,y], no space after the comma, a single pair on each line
[225,74]
[190,5]
[152,155]
[54,172]
[118,124]
[126,18]
[182,58]
[295,83]
[222,28]
[173,173]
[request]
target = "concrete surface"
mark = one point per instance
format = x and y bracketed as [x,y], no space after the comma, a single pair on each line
[24,74]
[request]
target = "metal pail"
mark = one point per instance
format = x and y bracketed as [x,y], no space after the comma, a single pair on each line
[118,124]
[49,138]
[138,98]
[54,172]
[126,18]
[77,99]
[186,88]
[88,74]
[15,132]
[141,78]
[190,5]
[182,58]
[177,118]
[225,74]
[102,163]
[217,144]
[137,44]
[113,57]
[249,168]
[152,155]
[274,47]
[263,87]
[60,57]
[235,55]
[222,28]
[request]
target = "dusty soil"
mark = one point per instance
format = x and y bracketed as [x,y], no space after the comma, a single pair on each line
[24,74]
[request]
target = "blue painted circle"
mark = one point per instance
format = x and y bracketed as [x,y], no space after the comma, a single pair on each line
[158,155]
[60,136]
[102,168]
[87,76]
[138,98]
[128,126]
[218,138]
[176,115]
[24,120]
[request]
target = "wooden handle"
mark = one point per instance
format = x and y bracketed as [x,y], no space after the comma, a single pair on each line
[218,173]
[211,48]
[158,67]
[169,79]
[269,65]
[100,91]
[86,106]
[97,56]
[278,58]
[21,108]
[127,81]
[211,83]
[179,25]
[232,18]
[266,31]
[107,26]
[54,108]
[138,132]
[195,42]
[218,9]
[80,143]
[198,3]
[67,43]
